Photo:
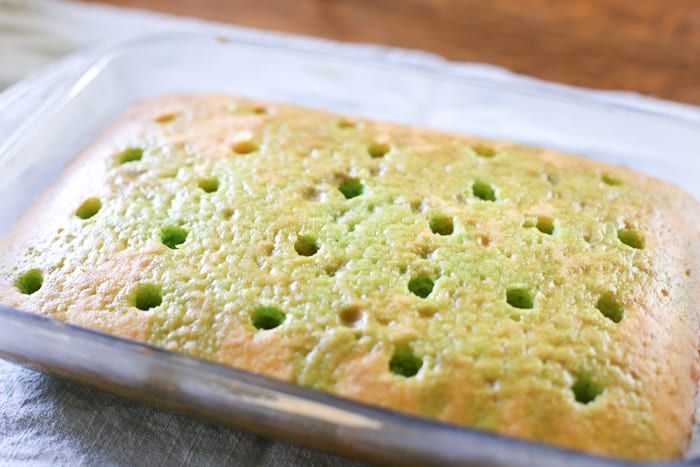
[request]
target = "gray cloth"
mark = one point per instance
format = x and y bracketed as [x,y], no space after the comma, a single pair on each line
[48,421]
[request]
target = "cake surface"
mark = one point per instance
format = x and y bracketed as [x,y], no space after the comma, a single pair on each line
[502,287]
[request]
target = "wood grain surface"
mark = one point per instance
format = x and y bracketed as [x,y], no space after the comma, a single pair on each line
[648,46]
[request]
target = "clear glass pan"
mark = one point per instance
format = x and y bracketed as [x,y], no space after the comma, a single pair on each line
[659,143]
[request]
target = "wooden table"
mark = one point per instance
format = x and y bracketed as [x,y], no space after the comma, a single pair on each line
[649,46]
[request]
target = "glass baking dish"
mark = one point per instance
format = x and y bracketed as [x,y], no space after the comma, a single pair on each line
[661,143]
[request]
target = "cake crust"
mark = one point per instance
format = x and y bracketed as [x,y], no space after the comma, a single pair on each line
[512,289]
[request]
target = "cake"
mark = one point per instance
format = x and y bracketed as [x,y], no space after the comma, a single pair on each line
[506,288]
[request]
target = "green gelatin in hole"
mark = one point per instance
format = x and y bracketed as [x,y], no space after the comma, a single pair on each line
[421,286]
[89,208]
[545,225]
[267,317]
[520,297]
[612,180]
[586,390]
[147,296]
[405,363]
[351,188]
[610,308]
[306,245]
[377,150]
[172,236]
[631,238]
[484,191]
[442,225]
[30,281]
[209,185]
[130,155]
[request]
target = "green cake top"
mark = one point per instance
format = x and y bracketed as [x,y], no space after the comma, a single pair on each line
[342,236]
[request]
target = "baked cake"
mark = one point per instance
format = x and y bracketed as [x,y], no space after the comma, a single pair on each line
[482,283]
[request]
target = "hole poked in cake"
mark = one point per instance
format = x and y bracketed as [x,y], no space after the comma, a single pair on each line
[346,124]
[377,149]
[89,208]
[244,145]
[267,317]
[351,188]
[147,296]
[545,224]
[608,305]
[631,238]
[208,184]
[172,236]
[29,281]
[484,150]
[306,245]
[131,154]
[404,362]
[585,389]
[166,117]
[520,296]
[421,285]
[484,191]
[350,315]
[610,179]
[441,224]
